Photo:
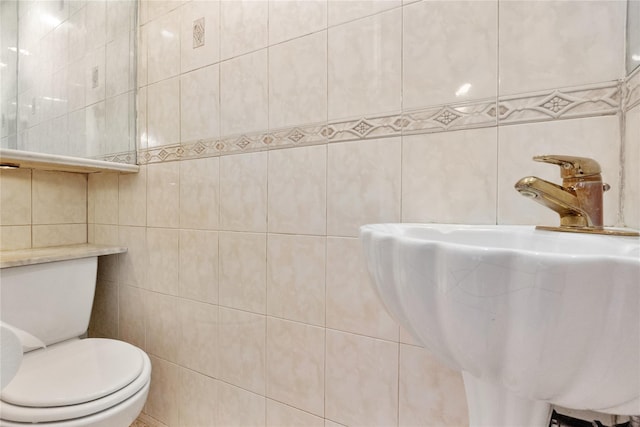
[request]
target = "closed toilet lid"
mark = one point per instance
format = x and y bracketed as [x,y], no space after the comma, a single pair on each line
[74,373]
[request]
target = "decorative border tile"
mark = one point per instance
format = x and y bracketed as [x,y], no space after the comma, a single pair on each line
[127,157]
[365,128]
[450,117]
[595,100]
[632,88]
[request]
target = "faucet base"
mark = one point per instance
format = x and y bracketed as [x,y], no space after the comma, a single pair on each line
[590,230]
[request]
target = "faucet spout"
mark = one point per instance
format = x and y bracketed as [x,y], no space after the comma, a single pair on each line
[562,200]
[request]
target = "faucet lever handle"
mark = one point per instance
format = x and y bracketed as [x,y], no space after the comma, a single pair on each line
[571,166]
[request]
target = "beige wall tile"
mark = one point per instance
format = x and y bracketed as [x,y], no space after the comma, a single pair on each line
[361,380]
[450,177]
[59,197]
[131,315]
[244,96]
[198,342]
[447,45]
[15,197]
[200,104]
[597,138]
[132,198]
[290,19]
[58,234]
[565,30]
[103,198]
[295,364]
[296,278]
[163,264]
[361,83]
[363,184]
[430,393]
[15,237]
[133,263]
[158,8]
[199,265]
[163,399]
[631,190]
[163,195]
[163,113]
[243,271]
[343,11]
[297,190]
[239,408]
[163,54]
[352,303]
[200,193]
[243,192]
[104,314]
[198,399]
[162,326]
[242,349]
[329,423]
[141,119]
[298,80]
[193,56]
[243,27]
[279,415]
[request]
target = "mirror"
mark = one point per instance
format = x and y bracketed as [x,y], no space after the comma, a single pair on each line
[633,35]
[67,77]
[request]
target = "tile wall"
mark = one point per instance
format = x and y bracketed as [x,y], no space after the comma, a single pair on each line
[269,131]
[42,208]
[76,78]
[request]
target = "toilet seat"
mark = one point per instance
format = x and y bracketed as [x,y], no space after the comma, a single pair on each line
[83,377]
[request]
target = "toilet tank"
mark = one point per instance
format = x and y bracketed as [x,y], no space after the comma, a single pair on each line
[52,301]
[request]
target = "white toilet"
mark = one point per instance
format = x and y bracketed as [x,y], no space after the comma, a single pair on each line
[72,382]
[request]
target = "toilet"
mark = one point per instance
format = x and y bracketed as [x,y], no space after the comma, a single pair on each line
[73,381]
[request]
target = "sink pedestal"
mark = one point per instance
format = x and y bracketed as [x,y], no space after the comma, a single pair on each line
[491,405]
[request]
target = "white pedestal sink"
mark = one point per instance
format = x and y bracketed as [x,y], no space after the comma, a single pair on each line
[530,317]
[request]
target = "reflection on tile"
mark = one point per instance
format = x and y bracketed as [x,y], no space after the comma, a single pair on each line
[163,113]
[295,364]
[163,60]
[449,52]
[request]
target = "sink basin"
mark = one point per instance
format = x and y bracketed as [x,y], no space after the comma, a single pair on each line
[530,317]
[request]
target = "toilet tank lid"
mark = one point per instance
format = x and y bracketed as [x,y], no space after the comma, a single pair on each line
[73,373]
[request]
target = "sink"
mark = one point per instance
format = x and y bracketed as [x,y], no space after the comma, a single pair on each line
[530,317]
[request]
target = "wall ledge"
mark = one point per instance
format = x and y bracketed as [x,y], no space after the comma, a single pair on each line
[54,162]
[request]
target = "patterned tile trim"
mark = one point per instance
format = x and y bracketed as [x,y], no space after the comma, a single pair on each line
[560,104]
[594,100]
[632,86]
[450,117]
[365,128]
[127,157]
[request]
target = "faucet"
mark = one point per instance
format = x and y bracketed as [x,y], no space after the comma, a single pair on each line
[578,200]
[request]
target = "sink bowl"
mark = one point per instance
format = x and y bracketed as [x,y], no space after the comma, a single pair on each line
[530,317]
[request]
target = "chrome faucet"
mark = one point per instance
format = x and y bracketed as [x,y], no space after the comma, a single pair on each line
[578,200]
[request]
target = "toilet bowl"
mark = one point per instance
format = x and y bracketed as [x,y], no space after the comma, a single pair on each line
[72,382]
